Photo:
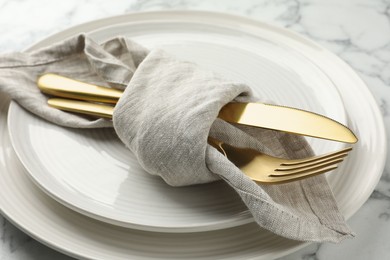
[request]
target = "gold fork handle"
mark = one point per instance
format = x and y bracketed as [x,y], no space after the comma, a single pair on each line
[236,155]
[216,144]
[82,107]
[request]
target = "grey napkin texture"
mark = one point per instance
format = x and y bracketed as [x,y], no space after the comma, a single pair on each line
[164,117]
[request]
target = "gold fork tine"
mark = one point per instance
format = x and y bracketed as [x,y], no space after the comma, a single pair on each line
[300,170]
[262,168]
[336,157]
[319,157]
[297,177]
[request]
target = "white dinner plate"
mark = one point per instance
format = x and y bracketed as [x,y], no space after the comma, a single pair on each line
[77,235]
[92,172]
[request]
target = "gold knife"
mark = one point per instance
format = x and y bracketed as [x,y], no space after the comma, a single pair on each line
[281,118]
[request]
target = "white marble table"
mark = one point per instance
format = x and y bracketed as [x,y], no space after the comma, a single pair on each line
[357,30]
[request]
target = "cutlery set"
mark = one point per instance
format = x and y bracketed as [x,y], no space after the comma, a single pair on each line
[79,97]
[91,175]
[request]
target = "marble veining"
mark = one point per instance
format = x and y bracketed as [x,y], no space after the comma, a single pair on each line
[356,30]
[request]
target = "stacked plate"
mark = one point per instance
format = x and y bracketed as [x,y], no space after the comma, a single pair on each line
[83,193]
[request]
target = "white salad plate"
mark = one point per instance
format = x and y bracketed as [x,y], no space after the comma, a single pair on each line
[92,172]
[63,229]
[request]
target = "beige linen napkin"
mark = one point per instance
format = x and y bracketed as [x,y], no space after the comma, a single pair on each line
[168,109]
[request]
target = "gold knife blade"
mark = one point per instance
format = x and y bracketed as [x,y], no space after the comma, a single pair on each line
[287,119]
[275,117]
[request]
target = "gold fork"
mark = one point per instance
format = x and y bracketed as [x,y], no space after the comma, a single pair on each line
[259,167]
[267,169]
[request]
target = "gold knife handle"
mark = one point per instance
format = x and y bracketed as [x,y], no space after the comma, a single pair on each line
[60,86]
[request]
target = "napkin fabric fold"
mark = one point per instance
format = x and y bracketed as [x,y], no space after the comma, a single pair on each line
[165,115]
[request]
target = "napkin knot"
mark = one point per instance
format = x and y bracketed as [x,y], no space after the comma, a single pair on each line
[165,116]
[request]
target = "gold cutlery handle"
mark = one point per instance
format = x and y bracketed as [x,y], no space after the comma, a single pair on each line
[69,88]
[87,108]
